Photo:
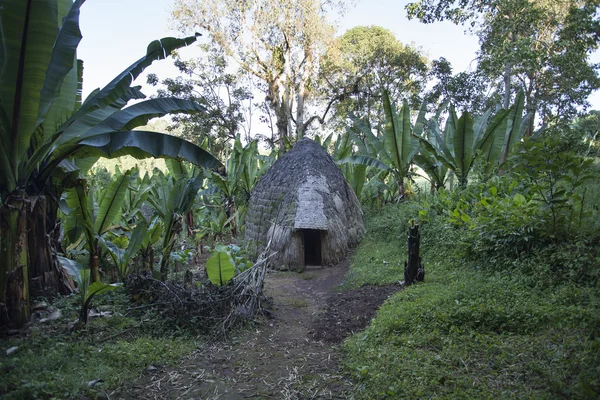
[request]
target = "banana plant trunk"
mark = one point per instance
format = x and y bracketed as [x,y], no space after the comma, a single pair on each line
[43,273]
[14,288]
[95,267]
[46,276]
[401,189]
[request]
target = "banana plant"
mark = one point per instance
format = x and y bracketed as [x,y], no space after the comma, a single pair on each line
[138,192]
[172,197]
[394,151]
[43,123]
[87,291]
[95,217]
[151,237]
[465,139]
[122,256]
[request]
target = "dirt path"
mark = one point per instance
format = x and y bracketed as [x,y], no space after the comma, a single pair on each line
[291,356]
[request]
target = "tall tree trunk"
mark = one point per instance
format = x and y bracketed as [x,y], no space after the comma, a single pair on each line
[282,125]
[302,92]
[512,36]
[14,289]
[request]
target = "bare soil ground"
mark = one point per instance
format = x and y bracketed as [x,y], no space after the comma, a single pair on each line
[290,356]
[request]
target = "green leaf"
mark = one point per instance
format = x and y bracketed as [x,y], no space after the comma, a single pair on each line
[400,143]
[490,144]
[463,145]
[110,207]
[72,267]
[97,288]
[140,113]
[28,35]
[143,144]
[219,266]
[514,131]
[519,199]
[61,64]
[365,160]
[157,50]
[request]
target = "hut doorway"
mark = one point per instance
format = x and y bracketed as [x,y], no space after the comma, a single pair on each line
[311,241]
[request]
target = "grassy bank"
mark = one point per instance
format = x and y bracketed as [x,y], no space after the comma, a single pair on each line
[471,330]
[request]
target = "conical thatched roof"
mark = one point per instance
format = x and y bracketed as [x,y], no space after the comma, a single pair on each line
[303,191]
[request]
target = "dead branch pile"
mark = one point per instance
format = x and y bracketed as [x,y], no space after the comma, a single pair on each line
[201,306]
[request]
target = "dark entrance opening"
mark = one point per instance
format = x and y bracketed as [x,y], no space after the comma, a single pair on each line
[311,238]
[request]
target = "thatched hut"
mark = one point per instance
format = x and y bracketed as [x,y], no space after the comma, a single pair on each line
[305,209]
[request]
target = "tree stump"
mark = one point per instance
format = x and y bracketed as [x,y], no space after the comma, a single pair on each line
[413,269]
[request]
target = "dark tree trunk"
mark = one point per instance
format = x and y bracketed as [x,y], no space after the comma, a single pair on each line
[413,269]
[14,288]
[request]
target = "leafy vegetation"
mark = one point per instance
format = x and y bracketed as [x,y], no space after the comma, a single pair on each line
[108,353]
[510,305]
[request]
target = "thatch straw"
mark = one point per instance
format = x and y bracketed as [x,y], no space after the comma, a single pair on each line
[304,189]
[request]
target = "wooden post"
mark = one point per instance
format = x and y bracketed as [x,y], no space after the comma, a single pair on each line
[413,269]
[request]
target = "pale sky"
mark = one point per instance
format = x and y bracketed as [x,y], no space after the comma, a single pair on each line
[117,32]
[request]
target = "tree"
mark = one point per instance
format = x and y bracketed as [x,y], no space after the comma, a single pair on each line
[279,42]
[366,61]
[43,124]
[540,45]
[226,96]
[468,91]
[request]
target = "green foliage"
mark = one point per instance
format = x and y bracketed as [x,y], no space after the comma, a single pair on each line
[87,291]
[220,267]
[363,63]
[54,364]
[468,331]
[123,254]
[44,123]
[488,137]
[542,45]
[392,153]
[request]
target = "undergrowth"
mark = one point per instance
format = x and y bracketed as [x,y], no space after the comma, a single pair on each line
[52,362]
[477,327]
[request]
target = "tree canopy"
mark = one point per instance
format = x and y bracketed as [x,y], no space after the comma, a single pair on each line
[542,46]
[278,42]
[366,61]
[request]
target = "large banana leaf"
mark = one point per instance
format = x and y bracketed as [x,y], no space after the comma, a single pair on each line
[29,30]
[400,143]
[110,206]
[157,50]
[490,145]
[139,144]
[517,125]
[513,134]
[434,169]
[365,160]
[463,145]
[128,118]
[61,77]
[219,266]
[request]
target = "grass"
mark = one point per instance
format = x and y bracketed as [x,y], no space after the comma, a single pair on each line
[53,363]
[468,332]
